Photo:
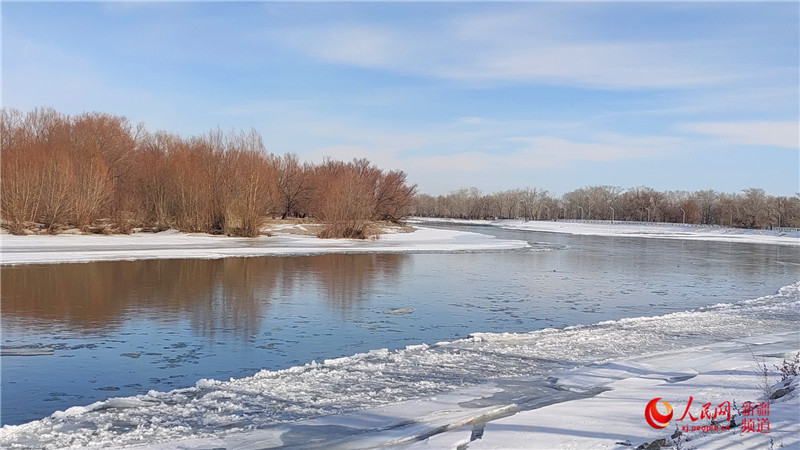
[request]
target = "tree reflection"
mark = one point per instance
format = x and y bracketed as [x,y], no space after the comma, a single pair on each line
[228,296]
[346,281]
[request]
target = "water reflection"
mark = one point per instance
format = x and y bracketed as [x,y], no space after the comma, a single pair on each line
[231,294]
[336,281]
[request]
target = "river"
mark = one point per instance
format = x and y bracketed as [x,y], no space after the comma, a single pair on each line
[74,334]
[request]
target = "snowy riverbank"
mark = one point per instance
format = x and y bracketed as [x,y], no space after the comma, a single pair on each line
[643,230]
[615,419]
[607,411]
[171,244]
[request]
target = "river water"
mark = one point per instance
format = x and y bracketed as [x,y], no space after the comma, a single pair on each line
[74,334]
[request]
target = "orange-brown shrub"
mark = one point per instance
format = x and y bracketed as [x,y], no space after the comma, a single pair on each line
[345,198]
[99,173]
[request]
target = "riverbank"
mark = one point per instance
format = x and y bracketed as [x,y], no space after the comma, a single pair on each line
[600,406]
[639,230]
[615,419]
[63,248]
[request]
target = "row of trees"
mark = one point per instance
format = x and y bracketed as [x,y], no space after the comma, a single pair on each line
[98,171]
[752,208]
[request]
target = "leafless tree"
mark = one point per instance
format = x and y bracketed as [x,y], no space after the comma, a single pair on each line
[753,208]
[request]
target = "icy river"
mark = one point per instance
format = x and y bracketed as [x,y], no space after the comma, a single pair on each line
[314,335]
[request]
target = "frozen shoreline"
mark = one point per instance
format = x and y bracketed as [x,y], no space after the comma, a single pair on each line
[171,245]
[67,248]
[607,412]
[713,373]
[641,230]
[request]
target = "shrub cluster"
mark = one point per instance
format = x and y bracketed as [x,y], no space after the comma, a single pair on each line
[97,172]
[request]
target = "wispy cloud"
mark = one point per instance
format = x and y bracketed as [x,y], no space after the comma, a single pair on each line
[554,151]
[773,134]
[542,152]
[502,48]
[472,144]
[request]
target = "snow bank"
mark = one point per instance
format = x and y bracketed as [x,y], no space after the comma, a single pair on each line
[643,230]
[615,419]
[172,245]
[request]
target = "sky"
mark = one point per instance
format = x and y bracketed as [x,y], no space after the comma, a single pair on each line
[557,96]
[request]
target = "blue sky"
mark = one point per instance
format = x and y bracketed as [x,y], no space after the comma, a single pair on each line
[676,96]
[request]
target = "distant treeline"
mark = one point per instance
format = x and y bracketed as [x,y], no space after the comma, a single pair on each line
[98,172]
[752,208]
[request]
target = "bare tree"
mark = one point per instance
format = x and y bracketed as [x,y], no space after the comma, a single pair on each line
[754,210]
[394,198]
[294,185]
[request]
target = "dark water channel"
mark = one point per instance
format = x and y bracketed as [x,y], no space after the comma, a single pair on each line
[73,334]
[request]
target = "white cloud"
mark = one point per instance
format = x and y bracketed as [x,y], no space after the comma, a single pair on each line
[773,134]
[358,45]
[553,151]
[471,161]
[503,47]
[472,150]
[472,120]
[546,152]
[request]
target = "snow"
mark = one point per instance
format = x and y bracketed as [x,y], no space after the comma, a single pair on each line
[642,230]
[711,373]
[37,249]
[399,311]
[388,426]
[438,395]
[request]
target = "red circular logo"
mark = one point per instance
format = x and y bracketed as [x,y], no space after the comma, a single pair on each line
[655,418]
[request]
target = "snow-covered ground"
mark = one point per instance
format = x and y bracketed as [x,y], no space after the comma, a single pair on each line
[615,419]
[172,244]
[644,230]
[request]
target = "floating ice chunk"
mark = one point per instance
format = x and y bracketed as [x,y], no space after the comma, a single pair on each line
[33,350]
[400,311]
[128,402]
[205,383]
[418,347]
[76,411]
